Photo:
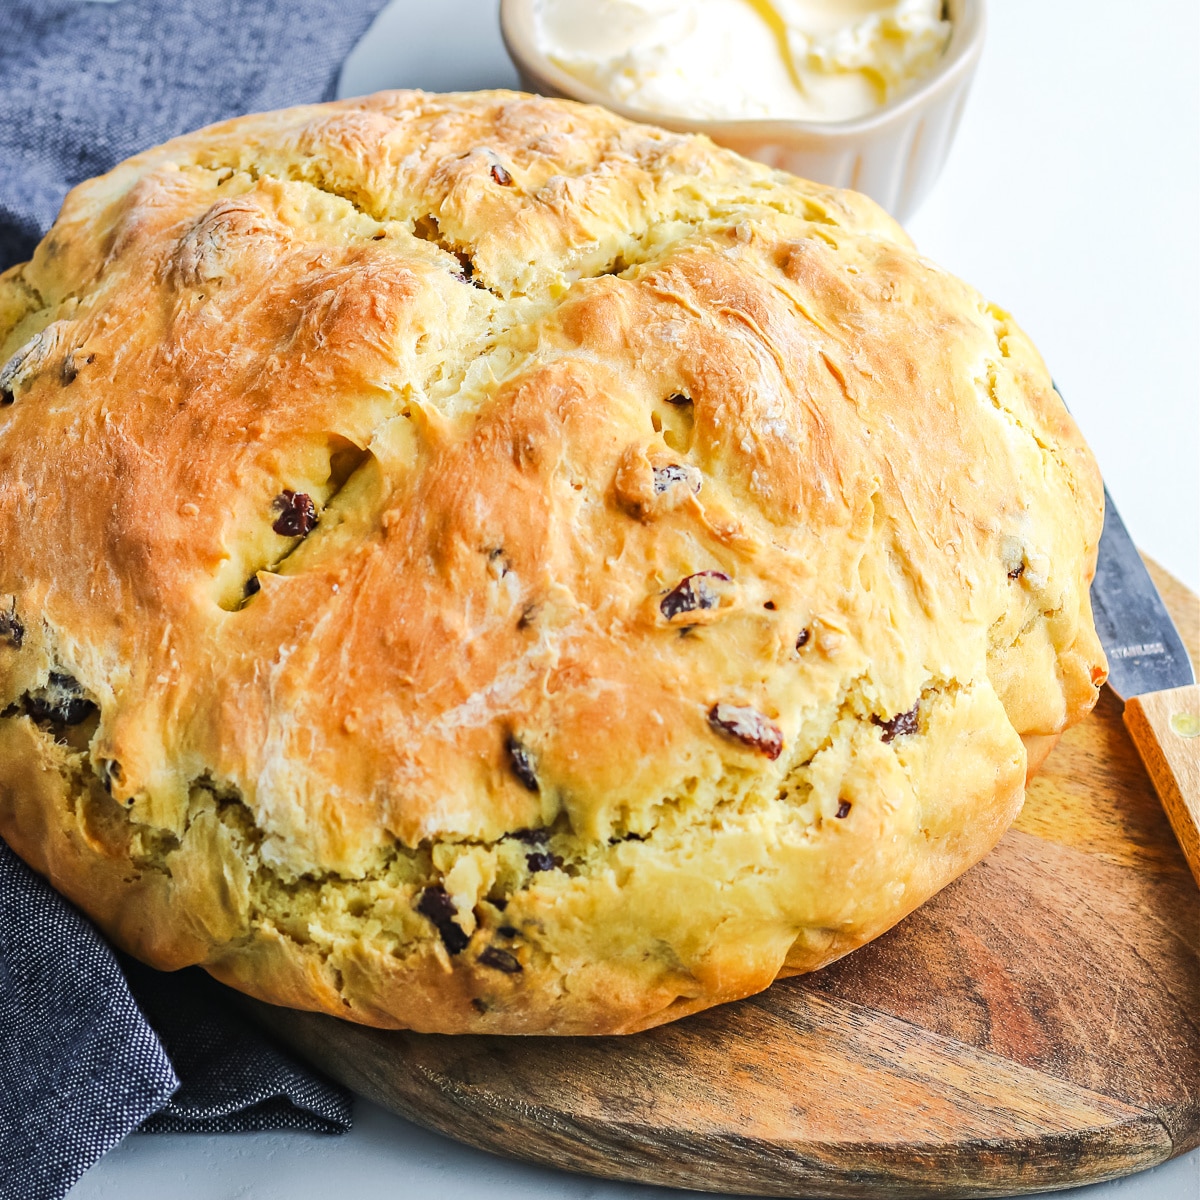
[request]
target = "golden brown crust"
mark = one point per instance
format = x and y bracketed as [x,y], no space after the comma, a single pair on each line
[535,368]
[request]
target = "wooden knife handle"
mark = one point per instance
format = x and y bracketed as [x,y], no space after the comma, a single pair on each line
[1165,727]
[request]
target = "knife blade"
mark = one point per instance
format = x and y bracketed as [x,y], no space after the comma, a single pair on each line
[1149,668]
[1145,651]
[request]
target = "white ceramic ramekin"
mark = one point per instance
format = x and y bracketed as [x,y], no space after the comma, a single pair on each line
[893,154]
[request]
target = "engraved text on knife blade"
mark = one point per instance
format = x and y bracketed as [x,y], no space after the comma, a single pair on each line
[1142,650]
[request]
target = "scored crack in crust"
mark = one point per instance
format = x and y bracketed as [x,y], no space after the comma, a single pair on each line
[472,563]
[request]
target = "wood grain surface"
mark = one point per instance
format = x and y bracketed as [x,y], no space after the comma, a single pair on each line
[1034,1026]
[1165,728]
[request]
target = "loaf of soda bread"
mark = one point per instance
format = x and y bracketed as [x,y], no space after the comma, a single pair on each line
[474,564]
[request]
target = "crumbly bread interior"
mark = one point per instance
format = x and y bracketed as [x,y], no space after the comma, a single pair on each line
[472,563]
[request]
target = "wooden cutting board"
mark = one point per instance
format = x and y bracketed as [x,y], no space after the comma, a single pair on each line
[1034,1026]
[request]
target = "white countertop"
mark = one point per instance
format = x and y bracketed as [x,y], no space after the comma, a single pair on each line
[1072,198]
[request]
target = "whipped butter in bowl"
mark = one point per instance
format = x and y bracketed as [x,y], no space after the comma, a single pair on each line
[854,93]
[721,60]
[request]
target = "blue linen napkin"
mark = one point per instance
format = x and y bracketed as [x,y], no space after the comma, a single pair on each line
[93,1046]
